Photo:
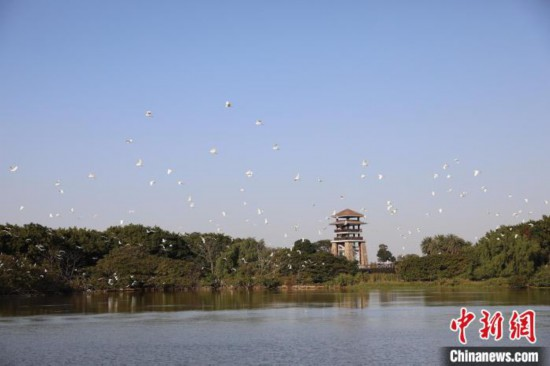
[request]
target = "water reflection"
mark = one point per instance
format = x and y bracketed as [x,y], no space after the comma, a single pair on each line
[134,302]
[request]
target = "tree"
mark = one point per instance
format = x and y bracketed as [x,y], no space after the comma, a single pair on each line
[503,254]
[157,241]
[433,267]
[384,255]
[305,246]
[443,244]
[207,249]
[133,266]
[323,245]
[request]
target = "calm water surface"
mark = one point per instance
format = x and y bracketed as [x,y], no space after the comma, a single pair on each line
[377,327]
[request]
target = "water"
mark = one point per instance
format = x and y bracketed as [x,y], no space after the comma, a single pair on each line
[393,327]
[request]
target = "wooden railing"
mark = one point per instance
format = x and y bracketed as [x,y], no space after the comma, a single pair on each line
[348,238]
[348,230]
[379,267]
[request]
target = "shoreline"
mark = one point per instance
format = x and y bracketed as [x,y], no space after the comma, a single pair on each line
[450,284]
[388,285]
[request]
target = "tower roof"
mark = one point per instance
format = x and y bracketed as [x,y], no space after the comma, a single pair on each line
[348,213]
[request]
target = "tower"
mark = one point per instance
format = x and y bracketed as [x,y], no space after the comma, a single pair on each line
[348,241]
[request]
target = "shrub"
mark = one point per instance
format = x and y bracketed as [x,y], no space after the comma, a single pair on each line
[541,277]
[270,283]
[433,267]
[344,279]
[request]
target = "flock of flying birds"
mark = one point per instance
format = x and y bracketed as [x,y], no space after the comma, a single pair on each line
[391,208]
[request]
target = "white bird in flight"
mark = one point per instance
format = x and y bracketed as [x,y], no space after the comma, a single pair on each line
[259,122]
[228,104]
[213,151]
[275,147]
[297,177]
[91,175]
[249,173]
[149,114]
[139,163]
[365,163]
[13,168]
[169,171]
[476,173]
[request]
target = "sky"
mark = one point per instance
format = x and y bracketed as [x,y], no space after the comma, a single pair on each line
[427,93]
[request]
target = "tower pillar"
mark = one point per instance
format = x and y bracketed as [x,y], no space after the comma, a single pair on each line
[334,249]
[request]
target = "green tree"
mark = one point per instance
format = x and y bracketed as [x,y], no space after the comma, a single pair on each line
[305,246]
[433,267]
[503,253]
[323,245]
[443,244]
[207,248]
[156,240]
[134,267]
[384,255]
[245,260]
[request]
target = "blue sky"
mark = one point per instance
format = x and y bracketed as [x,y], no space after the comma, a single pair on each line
[408,86]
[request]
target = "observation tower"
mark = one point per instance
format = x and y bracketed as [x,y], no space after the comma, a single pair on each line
[348,241]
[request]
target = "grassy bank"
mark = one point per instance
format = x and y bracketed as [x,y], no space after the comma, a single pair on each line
[391,280]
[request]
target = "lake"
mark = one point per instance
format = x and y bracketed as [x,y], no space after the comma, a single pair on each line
[374,327]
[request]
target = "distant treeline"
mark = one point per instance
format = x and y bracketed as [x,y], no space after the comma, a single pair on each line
[38,259]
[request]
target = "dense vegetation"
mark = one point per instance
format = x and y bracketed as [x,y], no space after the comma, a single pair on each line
[518,253]
[38,259]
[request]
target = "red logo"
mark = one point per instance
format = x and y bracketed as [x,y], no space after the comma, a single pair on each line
[492,325]
[523,325]
[520,325]
[462,323]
